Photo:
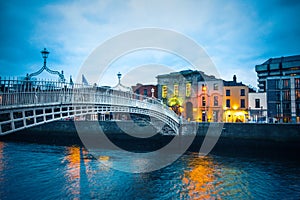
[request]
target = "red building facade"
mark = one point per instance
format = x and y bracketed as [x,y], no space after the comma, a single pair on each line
[145,90]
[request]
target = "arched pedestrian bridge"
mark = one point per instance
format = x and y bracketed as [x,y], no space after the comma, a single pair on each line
[29,103]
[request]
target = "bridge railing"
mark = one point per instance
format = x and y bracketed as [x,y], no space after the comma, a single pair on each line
[14,93]
[113,97]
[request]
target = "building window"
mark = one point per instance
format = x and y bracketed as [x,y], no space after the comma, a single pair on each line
[227,93]
[138,93]
[242,103]
[164,91]
[297,82]
[297,93]
[286,108]
[286,95]
[278,109]
[278,85]
[176,90]
[216,86]
[242,92]
[228,103]
[257,103]
[286,83]
[188,89]
[277,95]
[145,92]
[298,109]
[203,101]
[216,100]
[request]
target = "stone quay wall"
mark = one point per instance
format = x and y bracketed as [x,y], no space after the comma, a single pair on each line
[274,132]
[234,137]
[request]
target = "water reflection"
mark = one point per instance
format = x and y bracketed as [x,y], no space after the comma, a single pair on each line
[199,179]
[33,171]
[75,171]
[211,178]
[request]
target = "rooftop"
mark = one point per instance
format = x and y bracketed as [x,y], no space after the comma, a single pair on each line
[282,59]
[233,82]
[188,73]
[282,65]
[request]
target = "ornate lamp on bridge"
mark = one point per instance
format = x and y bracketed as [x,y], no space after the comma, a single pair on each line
[45,54]
[152,91]
[120,86]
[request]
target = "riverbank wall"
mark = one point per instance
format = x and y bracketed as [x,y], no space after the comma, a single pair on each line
[236,137]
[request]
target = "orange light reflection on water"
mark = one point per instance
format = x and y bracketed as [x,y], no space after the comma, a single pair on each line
[74,168]
[199,180]
[77,168]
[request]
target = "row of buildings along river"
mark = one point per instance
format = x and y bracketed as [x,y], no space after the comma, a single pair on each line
[197,96]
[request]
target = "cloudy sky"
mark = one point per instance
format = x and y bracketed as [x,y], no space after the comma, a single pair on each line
[236,35]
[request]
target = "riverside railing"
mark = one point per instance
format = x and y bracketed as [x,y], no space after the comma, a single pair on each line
[18,93]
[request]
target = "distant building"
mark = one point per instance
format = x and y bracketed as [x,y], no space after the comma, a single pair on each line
[191,94]
[280,79]
[257,107]
[145,90]
[235,101]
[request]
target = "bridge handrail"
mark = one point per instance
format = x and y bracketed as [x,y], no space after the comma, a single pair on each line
[14,92]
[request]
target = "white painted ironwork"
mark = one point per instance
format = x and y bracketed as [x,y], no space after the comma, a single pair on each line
[45,54]
[27,103]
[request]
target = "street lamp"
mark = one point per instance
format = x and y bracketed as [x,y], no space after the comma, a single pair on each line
[45,54]
[152,91]
[119,77]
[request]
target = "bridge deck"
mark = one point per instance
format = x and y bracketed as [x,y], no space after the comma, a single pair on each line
[25,104]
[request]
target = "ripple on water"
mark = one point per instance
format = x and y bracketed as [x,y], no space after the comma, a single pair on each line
[35,171]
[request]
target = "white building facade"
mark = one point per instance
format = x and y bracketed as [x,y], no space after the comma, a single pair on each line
[257,107]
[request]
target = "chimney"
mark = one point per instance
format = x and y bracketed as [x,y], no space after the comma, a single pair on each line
[234,78]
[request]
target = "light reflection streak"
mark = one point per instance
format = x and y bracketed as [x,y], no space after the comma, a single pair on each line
[75,169]
[200,179]
[79,171]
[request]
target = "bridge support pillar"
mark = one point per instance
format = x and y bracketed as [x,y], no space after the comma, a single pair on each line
[180,130]
[12,121]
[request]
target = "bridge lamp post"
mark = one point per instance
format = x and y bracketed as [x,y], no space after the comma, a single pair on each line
[119,77]
[45,54]
[152,91]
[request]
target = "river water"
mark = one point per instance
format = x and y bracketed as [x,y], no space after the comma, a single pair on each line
[39,171]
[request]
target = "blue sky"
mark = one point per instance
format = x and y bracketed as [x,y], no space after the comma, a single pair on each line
[236,35]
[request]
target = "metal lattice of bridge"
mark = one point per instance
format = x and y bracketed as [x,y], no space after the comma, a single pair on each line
[27,103]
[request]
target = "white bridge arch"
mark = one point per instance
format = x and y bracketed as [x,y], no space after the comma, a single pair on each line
[28,103]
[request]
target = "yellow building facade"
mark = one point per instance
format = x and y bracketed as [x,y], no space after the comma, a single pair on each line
[196,96]
[193,95]
[235,101]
